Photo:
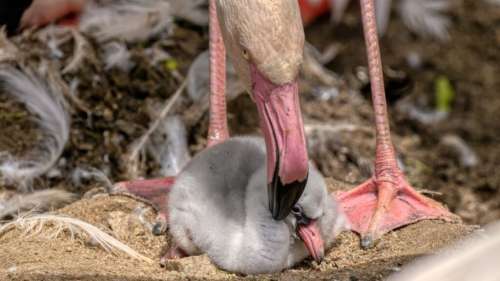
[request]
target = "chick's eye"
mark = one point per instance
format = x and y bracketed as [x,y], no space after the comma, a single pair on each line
[296,209]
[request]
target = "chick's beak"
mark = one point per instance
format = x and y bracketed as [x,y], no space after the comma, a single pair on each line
[283,129]
[311,236]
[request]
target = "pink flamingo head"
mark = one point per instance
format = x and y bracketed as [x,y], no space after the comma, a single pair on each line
[265,40]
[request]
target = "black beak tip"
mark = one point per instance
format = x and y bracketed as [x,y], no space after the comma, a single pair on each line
[282,197]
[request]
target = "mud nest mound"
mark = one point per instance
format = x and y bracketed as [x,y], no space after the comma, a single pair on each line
[38,257]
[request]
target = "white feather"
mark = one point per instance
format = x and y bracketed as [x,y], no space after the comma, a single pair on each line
[194,11]
[53,45]
[116,55]
[426,17]
[46,102]
[156,55]
[54,37]
[129,20]
[476,259]
[8,51]
[81,51]
[169,147]
[198,80]
[34,224]
[338,9]
[38,201]
[313,69]
[426,117]
[466,155]
[80,175]
[137,149]
[383,14]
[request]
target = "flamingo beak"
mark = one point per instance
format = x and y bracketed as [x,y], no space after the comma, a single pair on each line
[283,129]
[310,234]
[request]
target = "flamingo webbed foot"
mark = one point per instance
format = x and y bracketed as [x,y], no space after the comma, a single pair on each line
[376,207]
[152,191]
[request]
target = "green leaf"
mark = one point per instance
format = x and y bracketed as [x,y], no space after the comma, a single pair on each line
[171,64]
[444,94]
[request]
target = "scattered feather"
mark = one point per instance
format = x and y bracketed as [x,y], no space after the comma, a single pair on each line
[69,91]
[466,155]
[335,128]
[81,51]
[314,70]
[423,116]
[5,196]
[426,17]
[46,101]
[34,225]
[169,147]
[194,11]
[325,138]
[329,53]
[414,60]
[198,80]
[128,20]
[54,36]
[116,55]
[338,9]
[8,51]
[383,14]
[475,259]
[137,149]
[55,52]
[36,202]
[156,55]
[81,175]
[73,86]
[53,46]
[326,93]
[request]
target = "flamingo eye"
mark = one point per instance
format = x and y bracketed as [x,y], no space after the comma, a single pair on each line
[246,55]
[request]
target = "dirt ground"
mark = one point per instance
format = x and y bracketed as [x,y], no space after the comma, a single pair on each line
[121,106]
[35,257]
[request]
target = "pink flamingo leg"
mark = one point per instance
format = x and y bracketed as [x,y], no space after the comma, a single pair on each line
[386,201]
[217,129]
[156,190]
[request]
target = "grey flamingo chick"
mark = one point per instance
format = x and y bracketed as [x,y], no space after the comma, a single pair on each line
[218,206]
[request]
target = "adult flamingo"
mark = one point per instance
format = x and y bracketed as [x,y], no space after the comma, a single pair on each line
[382,203]
[265,40]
